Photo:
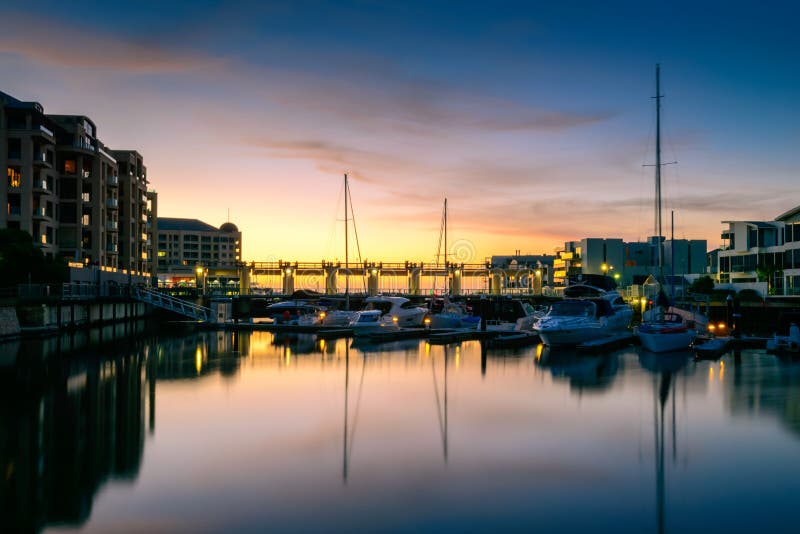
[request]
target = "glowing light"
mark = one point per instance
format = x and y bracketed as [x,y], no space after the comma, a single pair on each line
[721,326]
[199,270]
[395,319]
[427,321]
[288,270]
[711,327]
[322,345]
[198,360]
[539,351]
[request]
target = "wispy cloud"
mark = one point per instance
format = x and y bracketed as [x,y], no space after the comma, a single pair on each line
[43,40]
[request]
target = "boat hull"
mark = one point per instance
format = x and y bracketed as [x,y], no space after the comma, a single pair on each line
[666,341]
[569,337]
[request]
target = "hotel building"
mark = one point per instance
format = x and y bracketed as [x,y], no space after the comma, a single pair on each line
[64,188]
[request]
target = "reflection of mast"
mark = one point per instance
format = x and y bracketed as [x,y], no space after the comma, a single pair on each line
[658,427]
[348,439]
[442,420]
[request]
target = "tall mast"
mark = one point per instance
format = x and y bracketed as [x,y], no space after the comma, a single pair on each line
[446,269]
[658,170]
[346,250]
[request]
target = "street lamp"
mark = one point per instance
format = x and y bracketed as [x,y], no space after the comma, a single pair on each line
[200,279]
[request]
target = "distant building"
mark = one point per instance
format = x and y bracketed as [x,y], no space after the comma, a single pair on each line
[628,263]
[770,249]
[188,245]
[525,271]
[63,188]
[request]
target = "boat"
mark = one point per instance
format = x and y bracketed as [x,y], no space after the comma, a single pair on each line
[663,330]
[573,321]
[294,312]
[443,313]
[666,334]
[711,347]
[383,313]
[785,344]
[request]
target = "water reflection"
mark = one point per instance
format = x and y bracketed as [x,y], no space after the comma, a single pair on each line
[585,372]
[403,436]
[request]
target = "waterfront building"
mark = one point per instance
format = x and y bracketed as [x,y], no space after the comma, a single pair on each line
[762,251]
[195,253]
[63,188]
[528,271]
[629,262]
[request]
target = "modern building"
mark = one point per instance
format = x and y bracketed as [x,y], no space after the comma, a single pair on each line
[628,263]
[528,271]
[195,253]
[63,187]
[767,251]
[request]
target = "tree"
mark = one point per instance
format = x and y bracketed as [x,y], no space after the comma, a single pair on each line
[22,261]
[766,273]
[703,285]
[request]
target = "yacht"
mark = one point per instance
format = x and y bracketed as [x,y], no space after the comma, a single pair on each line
[446,314]
[596,313]
[667,333]
[381,313]
[295,312]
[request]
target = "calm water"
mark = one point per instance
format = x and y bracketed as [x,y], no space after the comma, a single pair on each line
[215,432]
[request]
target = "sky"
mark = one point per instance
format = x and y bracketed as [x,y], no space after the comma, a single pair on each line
[534,119]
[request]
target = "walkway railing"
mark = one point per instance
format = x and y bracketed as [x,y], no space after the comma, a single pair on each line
[161,300]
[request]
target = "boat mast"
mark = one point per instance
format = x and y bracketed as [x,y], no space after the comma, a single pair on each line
[446,269]
[346,250]
[658,171]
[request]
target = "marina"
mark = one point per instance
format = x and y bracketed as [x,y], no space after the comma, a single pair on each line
[267,416]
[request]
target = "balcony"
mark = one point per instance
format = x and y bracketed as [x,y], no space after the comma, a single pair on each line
[83,146]
[40,213]
[112,226]
[46,131]
[40,186]
[14,211]
[106,154]
[40,159]
[144,217]
[112,181]
[112,203]
[111,248]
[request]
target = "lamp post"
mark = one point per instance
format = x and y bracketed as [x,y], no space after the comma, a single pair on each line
[200,280]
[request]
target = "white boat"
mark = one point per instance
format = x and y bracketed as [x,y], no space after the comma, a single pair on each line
[295,312]
[785,344]
[666,334]
[382,313]
[573,321]
[452,315]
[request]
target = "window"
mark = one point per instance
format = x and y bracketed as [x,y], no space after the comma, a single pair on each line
[14,177]
[69,166]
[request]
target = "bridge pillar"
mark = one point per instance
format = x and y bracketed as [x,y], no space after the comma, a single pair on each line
[455,281]
[244,279]
[331,278]
[413,277]
[373,279]
[496,282]
[288,273]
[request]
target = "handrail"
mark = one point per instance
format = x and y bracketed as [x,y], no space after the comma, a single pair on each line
[167,302]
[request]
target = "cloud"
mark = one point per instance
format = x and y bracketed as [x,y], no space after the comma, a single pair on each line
[42,40]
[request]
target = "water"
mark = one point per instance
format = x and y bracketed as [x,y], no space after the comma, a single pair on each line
[216,432]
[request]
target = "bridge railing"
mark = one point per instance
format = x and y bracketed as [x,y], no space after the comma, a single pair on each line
[167,302]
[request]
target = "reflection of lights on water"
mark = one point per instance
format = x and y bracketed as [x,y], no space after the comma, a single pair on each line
[710,374]
[427,349]
[288,356]
[198,359]
[458,357]
[721,370]
[539,351]
[322,344]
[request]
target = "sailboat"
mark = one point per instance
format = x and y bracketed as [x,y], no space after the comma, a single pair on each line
[452,314]
[345,316]
[664,330]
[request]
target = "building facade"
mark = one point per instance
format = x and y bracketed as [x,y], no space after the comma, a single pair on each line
[63,187]
[629,263]
[754,251]
[195,253]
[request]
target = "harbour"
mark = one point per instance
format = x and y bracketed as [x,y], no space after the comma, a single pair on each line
[392,436]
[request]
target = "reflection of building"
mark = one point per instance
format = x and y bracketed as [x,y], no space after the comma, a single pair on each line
[70,427]
[186,245]
[201,354]
[63,187]
[773,247]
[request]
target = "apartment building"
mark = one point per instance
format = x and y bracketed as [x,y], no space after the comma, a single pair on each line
[186,245]
[756,250]
[63,187]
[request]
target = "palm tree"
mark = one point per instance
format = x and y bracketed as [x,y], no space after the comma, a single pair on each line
[767,272]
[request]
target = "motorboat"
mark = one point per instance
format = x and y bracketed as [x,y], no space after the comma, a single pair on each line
[382,313]
[573,321]
[447,314]
[294,312]
[711,348]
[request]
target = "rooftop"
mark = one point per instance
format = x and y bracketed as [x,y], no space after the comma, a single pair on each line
[185,225]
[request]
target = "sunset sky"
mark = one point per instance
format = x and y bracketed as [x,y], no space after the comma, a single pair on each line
[533,118]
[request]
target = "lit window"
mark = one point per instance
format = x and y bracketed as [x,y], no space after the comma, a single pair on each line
[14,177]
[69,166]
